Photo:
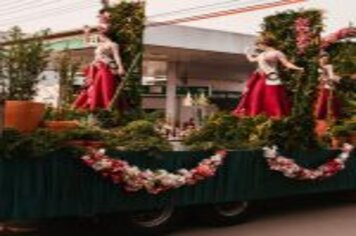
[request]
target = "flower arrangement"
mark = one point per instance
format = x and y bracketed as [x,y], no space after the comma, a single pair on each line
[303,34]
[134,179]
[289,168]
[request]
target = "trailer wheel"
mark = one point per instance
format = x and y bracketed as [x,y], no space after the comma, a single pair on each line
[227,213]
[154,222]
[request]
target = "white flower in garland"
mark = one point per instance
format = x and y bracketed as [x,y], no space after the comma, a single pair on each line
[290,169]
[133,179]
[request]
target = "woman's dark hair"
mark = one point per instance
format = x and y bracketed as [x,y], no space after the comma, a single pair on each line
[324,54]
[103,10]
[268,41]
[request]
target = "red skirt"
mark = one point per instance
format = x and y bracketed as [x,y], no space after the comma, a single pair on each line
[262,99]
[101,86]
[323,102]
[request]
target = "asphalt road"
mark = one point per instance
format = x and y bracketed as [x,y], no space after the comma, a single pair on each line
[329,216]
[325,215]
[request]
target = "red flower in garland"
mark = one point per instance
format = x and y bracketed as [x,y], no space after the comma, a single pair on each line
[154,182]
[290,169]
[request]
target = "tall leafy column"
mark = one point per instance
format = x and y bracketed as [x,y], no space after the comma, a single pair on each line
[297,34]
[127,26]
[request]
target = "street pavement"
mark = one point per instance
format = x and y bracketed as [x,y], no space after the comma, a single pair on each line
[323,215]
[330,216]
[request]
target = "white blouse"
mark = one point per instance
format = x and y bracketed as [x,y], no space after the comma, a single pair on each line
[268,64]
[103,54]
[327,77]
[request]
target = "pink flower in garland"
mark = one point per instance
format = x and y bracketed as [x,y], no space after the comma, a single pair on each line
[303,34]
[134,179]
[289,168]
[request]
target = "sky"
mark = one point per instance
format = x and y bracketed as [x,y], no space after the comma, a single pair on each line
[60,15]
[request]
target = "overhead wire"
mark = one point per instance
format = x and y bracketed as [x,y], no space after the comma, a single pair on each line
[64,10]
[186,10]
[239,10]
[28,7]
[71,9]
[11,5]
[58,12]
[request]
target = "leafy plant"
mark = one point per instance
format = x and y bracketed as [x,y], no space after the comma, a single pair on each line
[22,61]
[16,145]
[83,133]
[65,113]
[223,130]
[300,125]
[67,67]
[139,135]
[126,29]
[340,131]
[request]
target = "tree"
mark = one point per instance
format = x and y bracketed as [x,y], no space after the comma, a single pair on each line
[22,60]
[126,29]
[67,67]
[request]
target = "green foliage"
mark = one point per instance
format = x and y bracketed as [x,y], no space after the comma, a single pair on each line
[67,67]
[223,130]
[22,61]
[139,135]
[83,133]
[111,119]
[65,113]
[351,124]
[16,145]
[340,131]
[343,58]
[302,88]
[127,28]
[136,136]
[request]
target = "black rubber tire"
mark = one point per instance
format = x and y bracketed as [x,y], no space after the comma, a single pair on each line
[226,214]
[157,222]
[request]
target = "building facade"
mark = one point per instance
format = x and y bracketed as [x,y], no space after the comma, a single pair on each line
[183,68]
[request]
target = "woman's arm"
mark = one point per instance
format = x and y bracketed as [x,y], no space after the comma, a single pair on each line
[117,58]
[286,63]
[331,75]
[250,57]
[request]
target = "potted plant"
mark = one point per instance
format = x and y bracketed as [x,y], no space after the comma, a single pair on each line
[339,135]
[60,120]
[22,61]
[84,137]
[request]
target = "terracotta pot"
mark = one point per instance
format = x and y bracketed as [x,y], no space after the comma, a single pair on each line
[337,142]
[24,116]
[61,125]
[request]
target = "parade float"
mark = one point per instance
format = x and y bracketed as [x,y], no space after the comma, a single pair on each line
[118,160]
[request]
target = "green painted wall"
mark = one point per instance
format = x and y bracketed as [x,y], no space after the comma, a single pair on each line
[67,43]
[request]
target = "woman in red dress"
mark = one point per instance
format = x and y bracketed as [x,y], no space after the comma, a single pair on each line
[327,105]
[265,93]
[102,75]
